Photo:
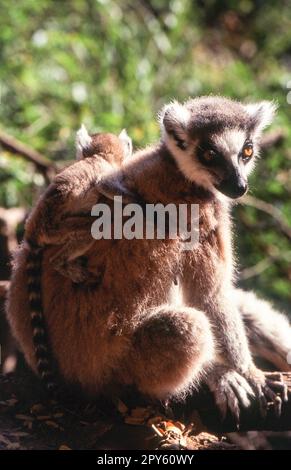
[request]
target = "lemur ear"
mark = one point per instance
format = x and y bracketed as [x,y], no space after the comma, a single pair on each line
[83,141]
[261,114]
[174,119]
[126,142]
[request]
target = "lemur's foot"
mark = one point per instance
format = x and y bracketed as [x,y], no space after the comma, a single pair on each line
[75,270]
[277,383]
[268,387]
[231,391]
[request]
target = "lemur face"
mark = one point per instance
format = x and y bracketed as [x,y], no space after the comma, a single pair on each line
[215,140]
[228,158]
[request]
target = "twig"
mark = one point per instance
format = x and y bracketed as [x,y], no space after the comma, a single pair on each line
[272,139]
[264,264]
[270,210]
[13,145]
[255,270]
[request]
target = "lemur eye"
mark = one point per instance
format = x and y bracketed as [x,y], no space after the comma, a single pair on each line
[247,152]
[209,155]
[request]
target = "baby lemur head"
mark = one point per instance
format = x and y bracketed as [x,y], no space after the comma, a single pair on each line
[114,149]
[215,140]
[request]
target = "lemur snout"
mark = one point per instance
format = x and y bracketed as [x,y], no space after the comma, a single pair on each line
[234,186]
[242,188]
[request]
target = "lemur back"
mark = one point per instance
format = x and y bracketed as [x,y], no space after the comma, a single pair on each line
[57,220]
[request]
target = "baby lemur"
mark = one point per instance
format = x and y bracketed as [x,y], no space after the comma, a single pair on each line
[58,219]
[127,329]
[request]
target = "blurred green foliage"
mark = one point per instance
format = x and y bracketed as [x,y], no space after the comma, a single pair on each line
[112,64]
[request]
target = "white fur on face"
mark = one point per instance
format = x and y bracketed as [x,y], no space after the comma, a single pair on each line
[230,143]
[83,141]
[188,164]
[175,118]
[179,117]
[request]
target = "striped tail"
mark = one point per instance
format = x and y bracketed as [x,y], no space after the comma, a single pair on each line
[44,361]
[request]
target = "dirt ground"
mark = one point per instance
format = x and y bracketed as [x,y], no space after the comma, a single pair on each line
[29,420]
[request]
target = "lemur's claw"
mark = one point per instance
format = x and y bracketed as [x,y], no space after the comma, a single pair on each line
[269,387]
[276,379]
[232,391]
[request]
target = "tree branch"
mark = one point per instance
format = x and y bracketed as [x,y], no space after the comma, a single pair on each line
[250,418]
[272,139]
[271,210]
[13,145]
[265,263]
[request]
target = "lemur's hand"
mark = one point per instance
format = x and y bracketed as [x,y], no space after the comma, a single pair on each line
[232,390]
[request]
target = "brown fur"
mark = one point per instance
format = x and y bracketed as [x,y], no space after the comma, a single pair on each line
[94,329]
[57,220]
[124,328]
[73,192]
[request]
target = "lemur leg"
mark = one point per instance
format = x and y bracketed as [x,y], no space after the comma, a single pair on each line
[68,228]
[69,194]
[268,331]
[75,239]
[171,348]
[68,259]
[239,379]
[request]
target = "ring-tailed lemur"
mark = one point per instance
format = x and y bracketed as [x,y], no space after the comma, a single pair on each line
[127,330]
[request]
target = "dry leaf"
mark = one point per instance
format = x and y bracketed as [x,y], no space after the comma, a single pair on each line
[141,413]
[134,421]
[28,424]
[4,440]
[18,434]
[64,447]
[43,418]
[180,425]
[158,431]
[12,401]
[52,424]
[24,417]
[13,446]
[37,409]
[122,408]
[155,420]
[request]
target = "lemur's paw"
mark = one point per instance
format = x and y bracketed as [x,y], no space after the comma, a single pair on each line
[78,275]
[74,270]
[268,387]
[231,391]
